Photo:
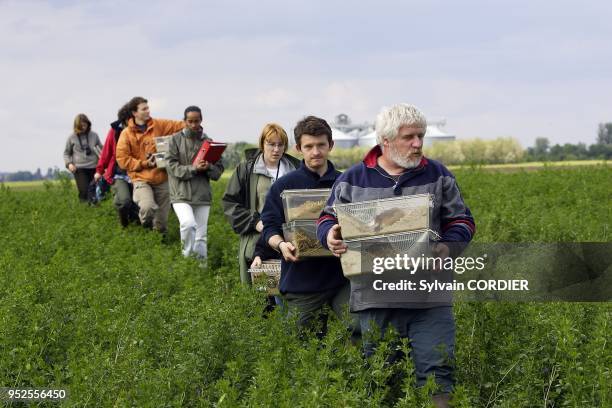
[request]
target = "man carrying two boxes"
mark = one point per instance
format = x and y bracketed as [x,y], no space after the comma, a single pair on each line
[311,284]
[396,167]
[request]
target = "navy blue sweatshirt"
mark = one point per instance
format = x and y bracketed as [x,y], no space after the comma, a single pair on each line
[263,250]
[309,275]
[450,218]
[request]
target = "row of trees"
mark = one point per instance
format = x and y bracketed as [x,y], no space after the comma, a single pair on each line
[467,151]
[544,151]
[29,176]
[231,157]
[475,151]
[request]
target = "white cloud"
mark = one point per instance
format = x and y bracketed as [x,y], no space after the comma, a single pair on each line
[276,98]
[535,72]
[345,95]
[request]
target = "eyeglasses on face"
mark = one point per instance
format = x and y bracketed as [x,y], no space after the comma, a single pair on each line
[274,145]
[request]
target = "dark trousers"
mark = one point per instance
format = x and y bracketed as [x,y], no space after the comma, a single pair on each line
[83,177]
[432,339]
[310,313]
[127,209]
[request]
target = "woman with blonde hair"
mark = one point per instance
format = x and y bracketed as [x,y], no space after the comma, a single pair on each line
[81,153]
[246,191]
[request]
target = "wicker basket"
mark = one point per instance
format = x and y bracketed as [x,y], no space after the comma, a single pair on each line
[304,204]
[303,235]
[361,252]
[386,216]
[266,278]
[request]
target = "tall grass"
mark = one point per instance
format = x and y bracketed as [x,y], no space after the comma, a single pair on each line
[120,319]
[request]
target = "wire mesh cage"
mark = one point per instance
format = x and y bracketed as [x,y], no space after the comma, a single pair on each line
[386,216]
[360,253]
[304,204]
[303,235]
[266,277]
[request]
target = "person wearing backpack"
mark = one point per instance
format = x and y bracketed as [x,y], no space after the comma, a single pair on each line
[115,176]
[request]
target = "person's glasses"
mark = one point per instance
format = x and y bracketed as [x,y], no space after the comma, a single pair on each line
[275,145]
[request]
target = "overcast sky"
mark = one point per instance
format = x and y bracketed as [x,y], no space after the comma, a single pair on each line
[491,68]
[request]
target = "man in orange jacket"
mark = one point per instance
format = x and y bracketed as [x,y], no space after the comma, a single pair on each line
[135,154]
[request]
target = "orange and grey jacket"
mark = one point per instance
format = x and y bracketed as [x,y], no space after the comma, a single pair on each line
[134,146]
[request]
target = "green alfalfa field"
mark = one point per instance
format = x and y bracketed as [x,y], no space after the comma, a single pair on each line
[118,318]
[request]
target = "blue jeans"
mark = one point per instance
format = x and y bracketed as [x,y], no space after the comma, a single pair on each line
[432,339]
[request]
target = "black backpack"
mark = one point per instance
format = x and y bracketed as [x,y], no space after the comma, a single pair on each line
[97,191]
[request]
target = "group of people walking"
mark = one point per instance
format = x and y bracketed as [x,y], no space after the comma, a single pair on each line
[253,207]
[142,191]
[311,287]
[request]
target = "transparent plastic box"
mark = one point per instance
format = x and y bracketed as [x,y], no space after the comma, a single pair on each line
[385,216]
[304,204]
[303,235]
[360,254]
[162,143]
[160,160]
[266,278]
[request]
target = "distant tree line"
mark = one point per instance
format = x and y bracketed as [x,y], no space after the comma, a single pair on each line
[51,174]
[501,150]
[602,150]
[544,152]
[233,155]
[477,151]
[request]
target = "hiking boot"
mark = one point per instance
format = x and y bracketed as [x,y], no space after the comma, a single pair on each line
[165,239]
[269,308]
[124,218]
[441,400]
[133,214]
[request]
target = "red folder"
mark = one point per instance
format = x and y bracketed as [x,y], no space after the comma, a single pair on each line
[210,151]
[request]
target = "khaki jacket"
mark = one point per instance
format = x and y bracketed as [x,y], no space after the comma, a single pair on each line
[186,184]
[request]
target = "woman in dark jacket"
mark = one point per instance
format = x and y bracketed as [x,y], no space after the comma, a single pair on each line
[81,153]
[245,193]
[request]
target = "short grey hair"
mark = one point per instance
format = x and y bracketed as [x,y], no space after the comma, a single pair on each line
[390,120]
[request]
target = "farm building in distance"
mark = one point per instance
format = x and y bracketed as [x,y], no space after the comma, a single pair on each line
[347,134]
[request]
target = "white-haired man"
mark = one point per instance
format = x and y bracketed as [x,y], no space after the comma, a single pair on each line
[397,167]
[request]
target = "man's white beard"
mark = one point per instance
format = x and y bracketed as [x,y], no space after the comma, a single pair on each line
[403,161]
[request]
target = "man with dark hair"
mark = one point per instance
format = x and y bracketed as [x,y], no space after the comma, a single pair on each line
[308,285]
[135,151]
[311,125]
